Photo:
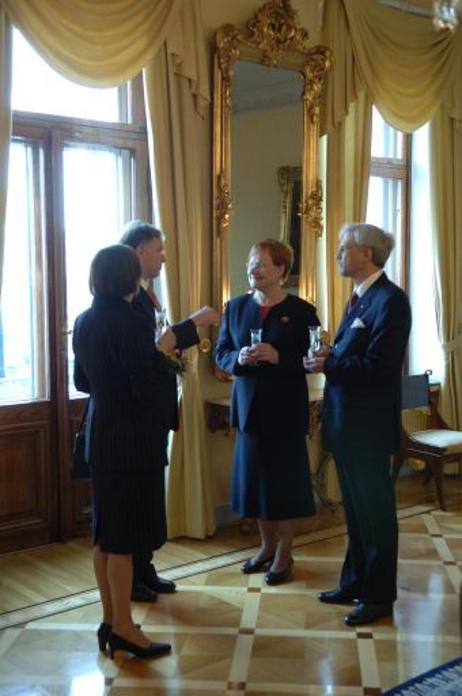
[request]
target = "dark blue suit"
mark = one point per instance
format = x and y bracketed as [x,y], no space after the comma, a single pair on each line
[361,427]
[186,336]
[269,408]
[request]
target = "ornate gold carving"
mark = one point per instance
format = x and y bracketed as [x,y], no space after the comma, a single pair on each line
[315,69]
[274,29]
[223,204]
[312,208]
[228,39]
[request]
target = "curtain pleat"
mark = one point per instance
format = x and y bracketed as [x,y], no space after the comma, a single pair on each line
[446,188]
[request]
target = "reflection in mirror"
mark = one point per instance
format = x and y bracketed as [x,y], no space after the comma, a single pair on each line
[267,87]
[290,184]
[266,133]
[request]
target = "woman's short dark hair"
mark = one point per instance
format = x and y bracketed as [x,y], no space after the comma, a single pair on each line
[115,271]
[281,254]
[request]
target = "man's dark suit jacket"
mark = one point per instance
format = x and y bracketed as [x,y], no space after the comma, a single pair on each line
[268,397]
[186,336]
[362,406]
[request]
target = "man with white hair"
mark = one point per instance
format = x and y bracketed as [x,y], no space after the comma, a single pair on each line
[362,420]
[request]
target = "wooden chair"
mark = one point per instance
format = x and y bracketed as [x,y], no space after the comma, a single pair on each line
[436,446]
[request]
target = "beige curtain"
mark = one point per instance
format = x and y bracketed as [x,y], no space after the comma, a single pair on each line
[178,137]
[348,164]
[404,63]
[5,123]
[446,190]
[95,43]
[105,44]
[346,117]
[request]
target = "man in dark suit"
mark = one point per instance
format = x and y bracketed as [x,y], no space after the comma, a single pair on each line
[148,243]
[361,420]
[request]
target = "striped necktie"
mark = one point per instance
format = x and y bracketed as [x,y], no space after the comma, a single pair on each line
[353,300]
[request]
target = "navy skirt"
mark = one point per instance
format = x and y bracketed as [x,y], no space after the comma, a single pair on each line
[272,479]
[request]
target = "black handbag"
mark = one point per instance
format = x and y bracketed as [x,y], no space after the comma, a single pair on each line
[80,467]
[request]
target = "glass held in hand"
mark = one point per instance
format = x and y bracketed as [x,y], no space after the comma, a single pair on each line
[315,340]
[161,321]
[255,336]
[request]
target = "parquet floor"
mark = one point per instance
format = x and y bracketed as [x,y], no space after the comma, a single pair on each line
[233,635]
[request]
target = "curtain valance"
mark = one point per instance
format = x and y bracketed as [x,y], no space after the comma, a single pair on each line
[97,42]
[406,66]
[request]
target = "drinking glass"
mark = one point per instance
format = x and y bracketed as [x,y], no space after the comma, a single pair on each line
[255,336]
[315,339]
[161,321]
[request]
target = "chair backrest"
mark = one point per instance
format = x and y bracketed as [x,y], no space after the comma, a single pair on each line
[415,391]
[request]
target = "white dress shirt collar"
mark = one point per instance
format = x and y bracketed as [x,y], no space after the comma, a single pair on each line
[363,287]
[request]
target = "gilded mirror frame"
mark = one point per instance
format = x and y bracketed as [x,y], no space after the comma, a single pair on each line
[272,37]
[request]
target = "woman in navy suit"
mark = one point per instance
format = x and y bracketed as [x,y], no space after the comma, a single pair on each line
[118,364]
[269,408]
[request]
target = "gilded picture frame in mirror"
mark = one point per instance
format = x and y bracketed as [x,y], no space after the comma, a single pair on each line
[290,184]
[272,37]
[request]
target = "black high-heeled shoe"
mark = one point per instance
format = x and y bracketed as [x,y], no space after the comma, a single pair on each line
[103,634]
[277,577]
[116,642]
[251,566]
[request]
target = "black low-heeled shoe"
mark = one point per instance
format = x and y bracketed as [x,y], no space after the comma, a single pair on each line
[276,578]
[255,566]
[103,634]
[117,642]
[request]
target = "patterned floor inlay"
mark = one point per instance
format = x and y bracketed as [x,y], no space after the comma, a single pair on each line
[232,635]
[325,543]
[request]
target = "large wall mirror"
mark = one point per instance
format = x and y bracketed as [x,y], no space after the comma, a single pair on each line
[265,156]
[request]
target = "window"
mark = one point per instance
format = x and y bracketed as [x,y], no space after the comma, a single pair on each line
[388,191]
[399,202]
[78,172]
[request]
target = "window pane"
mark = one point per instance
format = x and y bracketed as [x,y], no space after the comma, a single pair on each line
[424,347]
[97,202]
[386,141]
[40,89]
[384,210]
[23,360]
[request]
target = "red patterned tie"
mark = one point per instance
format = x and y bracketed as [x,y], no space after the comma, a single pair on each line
[353,300]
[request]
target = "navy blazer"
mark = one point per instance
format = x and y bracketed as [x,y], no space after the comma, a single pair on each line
[362,398]
[186,336]
[267,396]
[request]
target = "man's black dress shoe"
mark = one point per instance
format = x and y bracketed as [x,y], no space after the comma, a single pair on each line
[251,566]
[162,586]
[142,593]
[368,613]
[276,578]
[156,583]
[337,596]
